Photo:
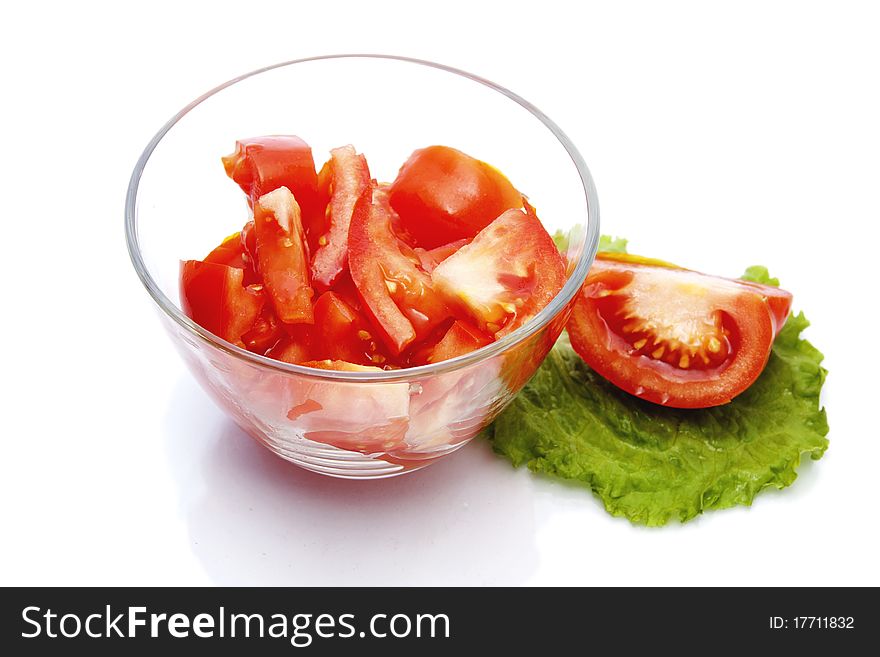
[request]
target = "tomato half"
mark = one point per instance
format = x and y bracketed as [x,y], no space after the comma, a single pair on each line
[282,256]
[672,336]
[396,293]
[349,183]
[506,275]
[215,298]
[443,195]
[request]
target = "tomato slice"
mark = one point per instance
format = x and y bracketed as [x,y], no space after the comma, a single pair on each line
[443,195]
[397,294]
[282,256]
[506,275]
[344,335]
[349,183]
[673,336]
[214,297]
[429,259]
[263,164]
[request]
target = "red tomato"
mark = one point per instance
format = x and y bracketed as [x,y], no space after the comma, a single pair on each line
[282,256]
[396,293]
[296,346]
[231,253]
[263,164]
[672,336]
[344,335]
[461,338]
[349,183]
[506,275]
[443,195]
[265,333]
[214,297]
[429,259]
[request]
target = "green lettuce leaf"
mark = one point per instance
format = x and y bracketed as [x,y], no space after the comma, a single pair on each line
[651,464]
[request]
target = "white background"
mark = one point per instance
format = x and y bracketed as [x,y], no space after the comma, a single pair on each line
[719,136]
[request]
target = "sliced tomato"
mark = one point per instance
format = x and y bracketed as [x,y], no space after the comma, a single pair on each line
[443,195]
[263,164]
[461,338]
[282,256]
[506,275]
[265,333]
[298,344]
[349,183]
[430,258]
[397,294]
[672,336]
[344,334]
[215,298]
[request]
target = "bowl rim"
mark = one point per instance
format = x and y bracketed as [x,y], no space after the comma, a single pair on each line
[573,283]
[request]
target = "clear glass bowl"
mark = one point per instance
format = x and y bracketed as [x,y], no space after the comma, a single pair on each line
[354,424]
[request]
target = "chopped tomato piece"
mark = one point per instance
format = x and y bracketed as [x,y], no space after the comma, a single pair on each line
[214,297]
[396,293]
[344,335]
[263,164]
[461,338]
[349,183]
[282,256]
[296,346]
[265,333]
[429,259]
[443,195]
[672,336]
[506,275]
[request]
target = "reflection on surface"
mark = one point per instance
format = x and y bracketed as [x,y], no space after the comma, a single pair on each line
[255,519]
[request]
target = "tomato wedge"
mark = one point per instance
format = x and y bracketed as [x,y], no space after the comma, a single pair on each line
[443,195]
[506,275]
[397,294]
[263,164]
[231,252]
[673,336]
[282,256]
[214,297]
[349,183]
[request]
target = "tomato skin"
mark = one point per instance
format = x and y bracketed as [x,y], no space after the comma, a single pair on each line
[349,184]
[282,256]
[743,312]
[443,195]
[213,296]
[263,164]
[506,275]
[397,295]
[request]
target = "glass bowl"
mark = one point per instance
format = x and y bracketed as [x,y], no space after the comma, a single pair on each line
[354,424]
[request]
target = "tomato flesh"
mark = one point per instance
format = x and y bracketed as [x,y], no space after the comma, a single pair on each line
[443,195]
[397,294]
[349,184]
[673,336]
[282,255]
[215,298]
[430,258]
[345,336]
[461,338]
[506,275]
